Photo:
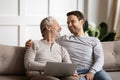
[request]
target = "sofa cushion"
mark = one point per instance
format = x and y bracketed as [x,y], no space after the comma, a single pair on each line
[11,60]
[114,75]
[111,55]
[11,77]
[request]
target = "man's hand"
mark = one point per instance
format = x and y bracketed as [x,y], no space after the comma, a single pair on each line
[76,75]
[28,44]
[89,76]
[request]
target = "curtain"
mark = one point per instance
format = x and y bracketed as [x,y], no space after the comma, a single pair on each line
[116,20]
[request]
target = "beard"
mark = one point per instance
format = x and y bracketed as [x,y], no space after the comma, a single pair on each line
[56,34]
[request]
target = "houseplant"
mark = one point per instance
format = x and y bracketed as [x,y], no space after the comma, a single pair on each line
[100,31]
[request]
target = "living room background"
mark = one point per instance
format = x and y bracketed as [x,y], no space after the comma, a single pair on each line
[20,19]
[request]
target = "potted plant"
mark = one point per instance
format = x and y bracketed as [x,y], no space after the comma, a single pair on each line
[100,31]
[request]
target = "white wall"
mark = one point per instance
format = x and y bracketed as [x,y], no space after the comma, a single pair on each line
[20,19]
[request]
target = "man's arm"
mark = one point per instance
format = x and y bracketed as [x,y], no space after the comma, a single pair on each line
[29,59]
[98,55]
[98,59]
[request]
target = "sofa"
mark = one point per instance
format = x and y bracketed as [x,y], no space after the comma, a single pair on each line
[112,58]
[12,61]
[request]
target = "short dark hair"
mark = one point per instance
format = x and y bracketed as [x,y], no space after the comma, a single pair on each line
[78,14]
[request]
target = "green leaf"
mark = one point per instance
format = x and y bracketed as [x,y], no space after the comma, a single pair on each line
[103,30]
[109,37]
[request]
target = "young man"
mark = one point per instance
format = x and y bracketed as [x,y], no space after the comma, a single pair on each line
[84,50]
[46,50]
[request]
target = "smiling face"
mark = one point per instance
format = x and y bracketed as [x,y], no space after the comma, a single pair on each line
[50,28]
[74,25]
[55,29]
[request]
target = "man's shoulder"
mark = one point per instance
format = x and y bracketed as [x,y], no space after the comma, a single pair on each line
[38,43]
[92,38]
[64,37]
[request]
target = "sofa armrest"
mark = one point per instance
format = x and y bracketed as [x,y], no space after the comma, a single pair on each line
[111,55]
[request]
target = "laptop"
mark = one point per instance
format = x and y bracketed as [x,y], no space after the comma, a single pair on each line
[58,69]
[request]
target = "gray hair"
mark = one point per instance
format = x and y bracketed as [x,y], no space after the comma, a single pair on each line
[45,22]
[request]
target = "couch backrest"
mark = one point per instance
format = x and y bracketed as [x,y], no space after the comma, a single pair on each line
[111,55]
[12,60]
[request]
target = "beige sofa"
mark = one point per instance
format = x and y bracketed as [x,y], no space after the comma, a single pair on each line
[12,61]
[112,58]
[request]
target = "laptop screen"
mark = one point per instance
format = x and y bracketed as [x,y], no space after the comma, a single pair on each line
[60,69]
